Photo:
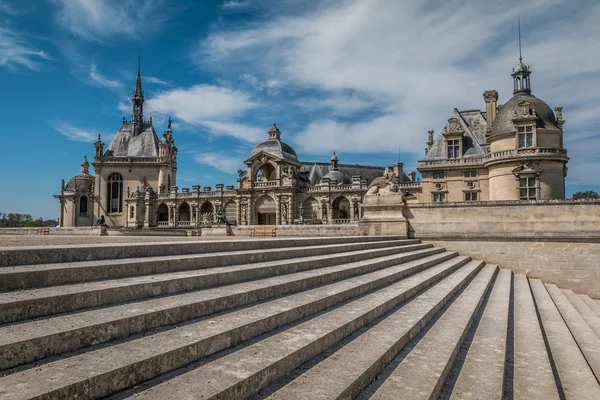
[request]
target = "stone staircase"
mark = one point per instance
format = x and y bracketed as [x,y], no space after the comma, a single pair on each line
[301,318]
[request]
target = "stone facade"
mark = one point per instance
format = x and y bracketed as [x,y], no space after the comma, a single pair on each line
[508,152]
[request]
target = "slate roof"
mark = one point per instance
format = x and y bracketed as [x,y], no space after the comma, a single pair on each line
[318,170]
[126,144]
[276,148]
[473,123]
[503,122]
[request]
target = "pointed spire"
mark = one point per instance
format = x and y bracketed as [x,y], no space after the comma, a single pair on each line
[138,102]
[85,166]
[521,73]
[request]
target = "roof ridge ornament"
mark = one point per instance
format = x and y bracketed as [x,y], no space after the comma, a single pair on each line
[521,73]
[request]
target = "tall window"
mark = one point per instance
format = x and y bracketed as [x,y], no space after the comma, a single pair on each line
[439,197]
[527,188]
[115,193]
[525,136]
[454,148]
[83,204]
[471,196]
[439,175]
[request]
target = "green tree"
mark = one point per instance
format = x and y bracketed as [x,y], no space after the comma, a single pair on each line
[33,224]
[590,194]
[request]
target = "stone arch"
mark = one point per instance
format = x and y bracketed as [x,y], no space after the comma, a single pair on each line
[185,212]
[230,211]
[310,208]
[267,170]
[83,205]
[341,208]
[207,213]
[162,213]
[264,211]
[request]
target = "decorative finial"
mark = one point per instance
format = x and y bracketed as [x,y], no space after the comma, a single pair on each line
[139,61]
[169,125]
[99,138]
[274,125]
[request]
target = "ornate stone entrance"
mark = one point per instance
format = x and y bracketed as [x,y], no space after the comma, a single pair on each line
[265,213]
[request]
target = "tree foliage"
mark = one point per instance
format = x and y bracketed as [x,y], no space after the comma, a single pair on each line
[16,220]
[590,194]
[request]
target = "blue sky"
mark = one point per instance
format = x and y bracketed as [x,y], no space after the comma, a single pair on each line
[359,77]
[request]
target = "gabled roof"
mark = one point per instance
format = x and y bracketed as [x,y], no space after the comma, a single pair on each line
[126,144]
[473,125]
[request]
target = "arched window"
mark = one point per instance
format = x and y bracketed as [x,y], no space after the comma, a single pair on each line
[83,204]
[115,193]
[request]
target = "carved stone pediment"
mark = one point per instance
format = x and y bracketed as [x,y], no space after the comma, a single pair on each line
[524,111]
[454,127]
[528,168]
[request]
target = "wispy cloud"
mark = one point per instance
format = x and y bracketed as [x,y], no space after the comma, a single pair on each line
[220,160]
[155,80]
[100,80]
[8,8]
[234,4]
[408,64]
[214,108]
[77,134]
[99,20]
[17,52]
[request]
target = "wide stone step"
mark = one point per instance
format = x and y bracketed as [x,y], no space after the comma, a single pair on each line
[482,373]
[34,303]
[585,337]
[345,373]
[594,305]
[38,275]
[244,372]
[577,379]
[83,252]
[584,310]
[104,371]
[31,341]
[533,377]
[422,373]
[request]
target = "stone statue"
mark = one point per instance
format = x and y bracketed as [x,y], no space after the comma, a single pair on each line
[284,213]
[221,217]
[244,213]
[169,123]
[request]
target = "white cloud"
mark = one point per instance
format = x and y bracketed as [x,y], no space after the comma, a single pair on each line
[153,79]
[8,8]
[98,20]
[413,62]
[16,51]
[77,134]
[100,80]
[234,4]
[213,108]
[220,160]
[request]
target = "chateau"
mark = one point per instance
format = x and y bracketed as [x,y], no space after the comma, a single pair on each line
[512,151]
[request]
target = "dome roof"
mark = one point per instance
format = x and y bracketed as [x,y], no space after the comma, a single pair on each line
[338,176]
[503,122]
[80,182]
[275,146]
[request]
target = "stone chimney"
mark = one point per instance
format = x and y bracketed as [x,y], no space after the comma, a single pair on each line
[491,107]
[412,176]
[398,172]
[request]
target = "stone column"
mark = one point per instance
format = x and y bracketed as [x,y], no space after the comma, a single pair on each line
[250,211]
[291,210]
[74,212]
[329,212]
[238,210]
[278,209]
[351,211]
[147,214]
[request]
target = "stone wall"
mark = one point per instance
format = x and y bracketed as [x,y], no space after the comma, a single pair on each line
[555,240]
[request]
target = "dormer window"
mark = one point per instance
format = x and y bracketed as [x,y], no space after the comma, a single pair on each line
[454,148]
[525,136]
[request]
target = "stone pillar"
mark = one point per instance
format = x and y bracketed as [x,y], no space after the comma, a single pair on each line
[351,211]
[291,210]
[238,210]
[330,212]
[278,209]
[250,211]
[147,214]
[74,212]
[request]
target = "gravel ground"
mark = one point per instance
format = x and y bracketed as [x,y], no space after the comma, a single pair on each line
[58,240]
